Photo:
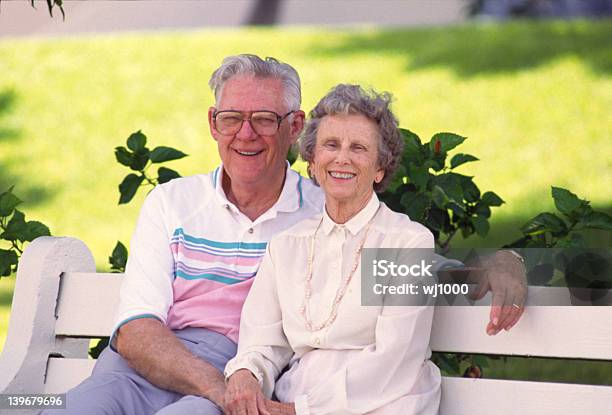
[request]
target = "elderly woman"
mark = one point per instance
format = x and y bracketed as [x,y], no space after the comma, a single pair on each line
[304,307]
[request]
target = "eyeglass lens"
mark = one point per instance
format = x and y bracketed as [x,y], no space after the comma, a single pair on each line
[263,122]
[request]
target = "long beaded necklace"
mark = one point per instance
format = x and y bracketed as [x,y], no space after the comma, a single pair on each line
[305,309]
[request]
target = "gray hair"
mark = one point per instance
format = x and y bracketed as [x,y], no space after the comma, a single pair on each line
[352,99]
[253,65]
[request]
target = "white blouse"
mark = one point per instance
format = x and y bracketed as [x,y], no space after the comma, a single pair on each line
[371,358]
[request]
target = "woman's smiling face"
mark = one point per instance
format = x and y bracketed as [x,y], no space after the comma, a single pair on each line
[346,158]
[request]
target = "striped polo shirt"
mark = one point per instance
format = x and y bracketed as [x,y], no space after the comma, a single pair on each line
[193,254]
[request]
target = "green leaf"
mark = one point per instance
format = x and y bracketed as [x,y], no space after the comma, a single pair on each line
[398,180]
[435,163]
[425,153]
[567,202]
[483,210]
[292,155]
[8,202]
[545,222]
[451,184]
[34,229]
[418,175]
[491,199]
[573,240]
[8,258]
[165,175]
[140,160]
[461,158]
[60,4]
[53,3]
[480,360]
[437,219]
[536,242]
[448,364]
[586,268]
[412,142]
[129,187]
[540,274]
[162,154]
[439,161]
[560,259]
[467,230]
[519,243]
[137,141]
[439,197]
[448,141]
[471,192]
[124,156]
[95,351]
[598,220]
[415,205]
[15,228]
[118,258]
[458,211]
[481,225]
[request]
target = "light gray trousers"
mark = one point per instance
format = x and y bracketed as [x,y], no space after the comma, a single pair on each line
[116,389]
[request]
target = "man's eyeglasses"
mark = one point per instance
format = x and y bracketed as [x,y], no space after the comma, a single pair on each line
[262,122]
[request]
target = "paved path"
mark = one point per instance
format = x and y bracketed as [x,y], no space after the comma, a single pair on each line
[17,18]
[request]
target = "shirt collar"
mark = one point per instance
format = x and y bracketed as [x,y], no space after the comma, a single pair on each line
[357,222]
[290,199]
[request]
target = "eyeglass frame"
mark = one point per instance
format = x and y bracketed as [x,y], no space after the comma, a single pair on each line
[279,118]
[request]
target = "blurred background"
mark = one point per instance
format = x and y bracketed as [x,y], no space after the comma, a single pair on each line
[529,82]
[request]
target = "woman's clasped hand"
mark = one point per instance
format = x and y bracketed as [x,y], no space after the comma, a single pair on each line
[243,396]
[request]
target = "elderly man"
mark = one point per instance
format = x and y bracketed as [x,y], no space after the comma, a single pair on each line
[196,247]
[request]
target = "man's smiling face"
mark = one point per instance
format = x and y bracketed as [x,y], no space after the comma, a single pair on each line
[249,158]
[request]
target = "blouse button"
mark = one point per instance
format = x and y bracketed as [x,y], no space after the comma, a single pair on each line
[317,341]
[250,230]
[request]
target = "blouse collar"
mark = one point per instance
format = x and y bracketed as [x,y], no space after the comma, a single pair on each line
[357,222]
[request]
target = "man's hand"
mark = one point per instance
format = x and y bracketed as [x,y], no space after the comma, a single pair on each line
[505,277]
[158,355]
[243,396]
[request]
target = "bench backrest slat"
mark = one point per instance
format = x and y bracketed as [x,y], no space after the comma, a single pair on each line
[87,304]
[548,331]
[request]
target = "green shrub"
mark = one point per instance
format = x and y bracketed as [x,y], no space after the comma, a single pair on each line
[15,232]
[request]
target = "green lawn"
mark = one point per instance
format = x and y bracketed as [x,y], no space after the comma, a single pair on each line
[534,98]
[6,293]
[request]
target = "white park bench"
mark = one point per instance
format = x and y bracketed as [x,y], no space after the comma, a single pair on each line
[60,302]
